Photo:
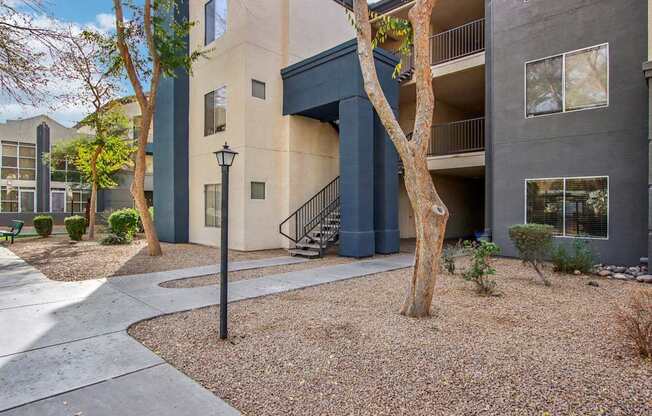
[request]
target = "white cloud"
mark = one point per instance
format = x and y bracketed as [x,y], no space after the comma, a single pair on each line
[106,22]
[67,114]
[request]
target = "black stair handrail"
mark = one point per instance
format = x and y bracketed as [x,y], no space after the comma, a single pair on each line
[328,235]
[309,215]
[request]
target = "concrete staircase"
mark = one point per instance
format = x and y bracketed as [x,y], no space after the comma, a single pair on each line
[318,240]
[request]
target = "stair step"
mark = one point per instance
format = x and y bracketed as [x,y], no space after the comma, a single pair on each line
[304,253]
[314,246]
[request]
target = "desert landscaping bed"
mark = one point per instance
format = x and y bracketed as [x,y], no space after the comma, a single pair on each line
[343,348]
[59,259]
[330,260]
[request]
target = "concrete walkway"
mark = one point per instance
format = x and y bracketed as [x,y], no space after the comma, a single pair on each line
[64,349]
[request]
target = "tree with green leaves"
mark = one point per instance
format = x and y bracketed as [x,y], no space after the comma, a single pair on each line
[149,44]
[430,213]
[82,61]
[98,160]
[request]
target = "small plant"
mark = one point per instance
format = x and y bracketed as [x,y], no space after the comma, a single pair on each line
[533,242]
[635,322]
[75,227]
[115,240]
[124,222]
[481,268]
[141,229]
[448,255]
[581,258]
[43,225]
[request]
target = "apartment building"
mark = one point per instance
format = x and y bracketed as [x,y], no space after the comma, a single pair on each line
[541,116]
[29,187]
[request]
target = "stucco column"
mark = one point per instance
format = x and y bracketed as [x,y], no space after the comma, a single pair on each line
[647,70]
[42,171]
[171,131]
[488,119]
[385,191]
[357,177]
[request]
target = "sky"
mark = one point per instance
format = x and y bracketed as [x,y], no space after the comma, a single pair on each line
[97,14]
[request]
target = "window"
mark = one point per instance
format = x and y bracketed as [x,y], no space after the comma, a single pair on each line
[212,205]
[17,199]
[77,199]
[57,200]
[215,12]
[64,171]
[575,207]
[572,81]
[215,111]
[258,89]
[18,161]
[257,190]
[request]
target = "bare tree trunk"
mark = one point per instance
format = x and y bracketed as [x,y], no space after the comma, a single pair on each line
[147,105]
[430,213]
[138,189]
[93,204]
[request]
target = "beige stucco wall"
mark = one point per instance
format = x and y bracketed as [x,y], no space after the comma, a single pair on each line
[294,156]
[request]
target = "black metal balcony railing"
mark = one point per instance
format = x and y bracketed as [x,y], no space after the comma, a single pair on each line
[458,42]
[452,44]
[458,137]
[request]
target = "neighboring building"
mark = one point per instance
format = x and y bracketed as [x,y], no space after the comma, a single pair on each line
[541,116]
[28,187]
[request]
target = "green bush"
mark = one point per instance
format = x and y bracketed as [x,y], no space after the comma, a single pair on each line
[43,225]
[115,240]
[448,255]
[124,222]
[533,242]
[75,226]
[481,268]
[581,258]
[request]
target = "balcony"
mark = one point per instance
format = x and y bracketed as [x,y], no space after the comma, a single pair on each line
[458,137]
[450,45]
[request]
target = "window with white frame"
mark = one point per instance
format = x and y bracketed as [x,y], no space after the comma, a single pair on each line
[575,207]
[18,161]
[74,200]
[17,199]
[212,205]
[215,13]
[64,171]
[215,111]
[572,81]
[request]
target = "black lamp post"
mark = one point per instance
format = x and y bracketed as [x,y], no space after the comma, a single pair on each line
[225,158]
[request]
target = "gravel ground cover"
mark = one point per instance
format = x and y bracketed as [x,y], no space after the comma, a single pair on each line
[255,273]
[60,260]
[342,348]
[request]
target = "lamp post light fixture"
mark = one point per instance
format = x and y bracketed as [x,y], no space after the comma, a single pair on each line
[70,193]
[225,158]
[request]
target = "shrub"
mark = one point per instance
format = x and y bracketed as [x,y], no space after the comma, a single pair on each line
[480,268]
[43,225]
[635,322]
[115,240]
[533,242]
[581,258]
[75,227]
[124,222]
[448,255]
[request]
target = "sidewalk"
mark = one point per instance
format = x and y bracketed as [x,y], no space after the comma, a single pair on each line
[65,349]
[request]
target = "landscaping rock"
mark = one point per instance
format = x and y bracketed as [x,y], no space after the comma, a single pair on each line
[593,283]
[646,278]
[619,269]
[620,276]
[604,273]
[577,272]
